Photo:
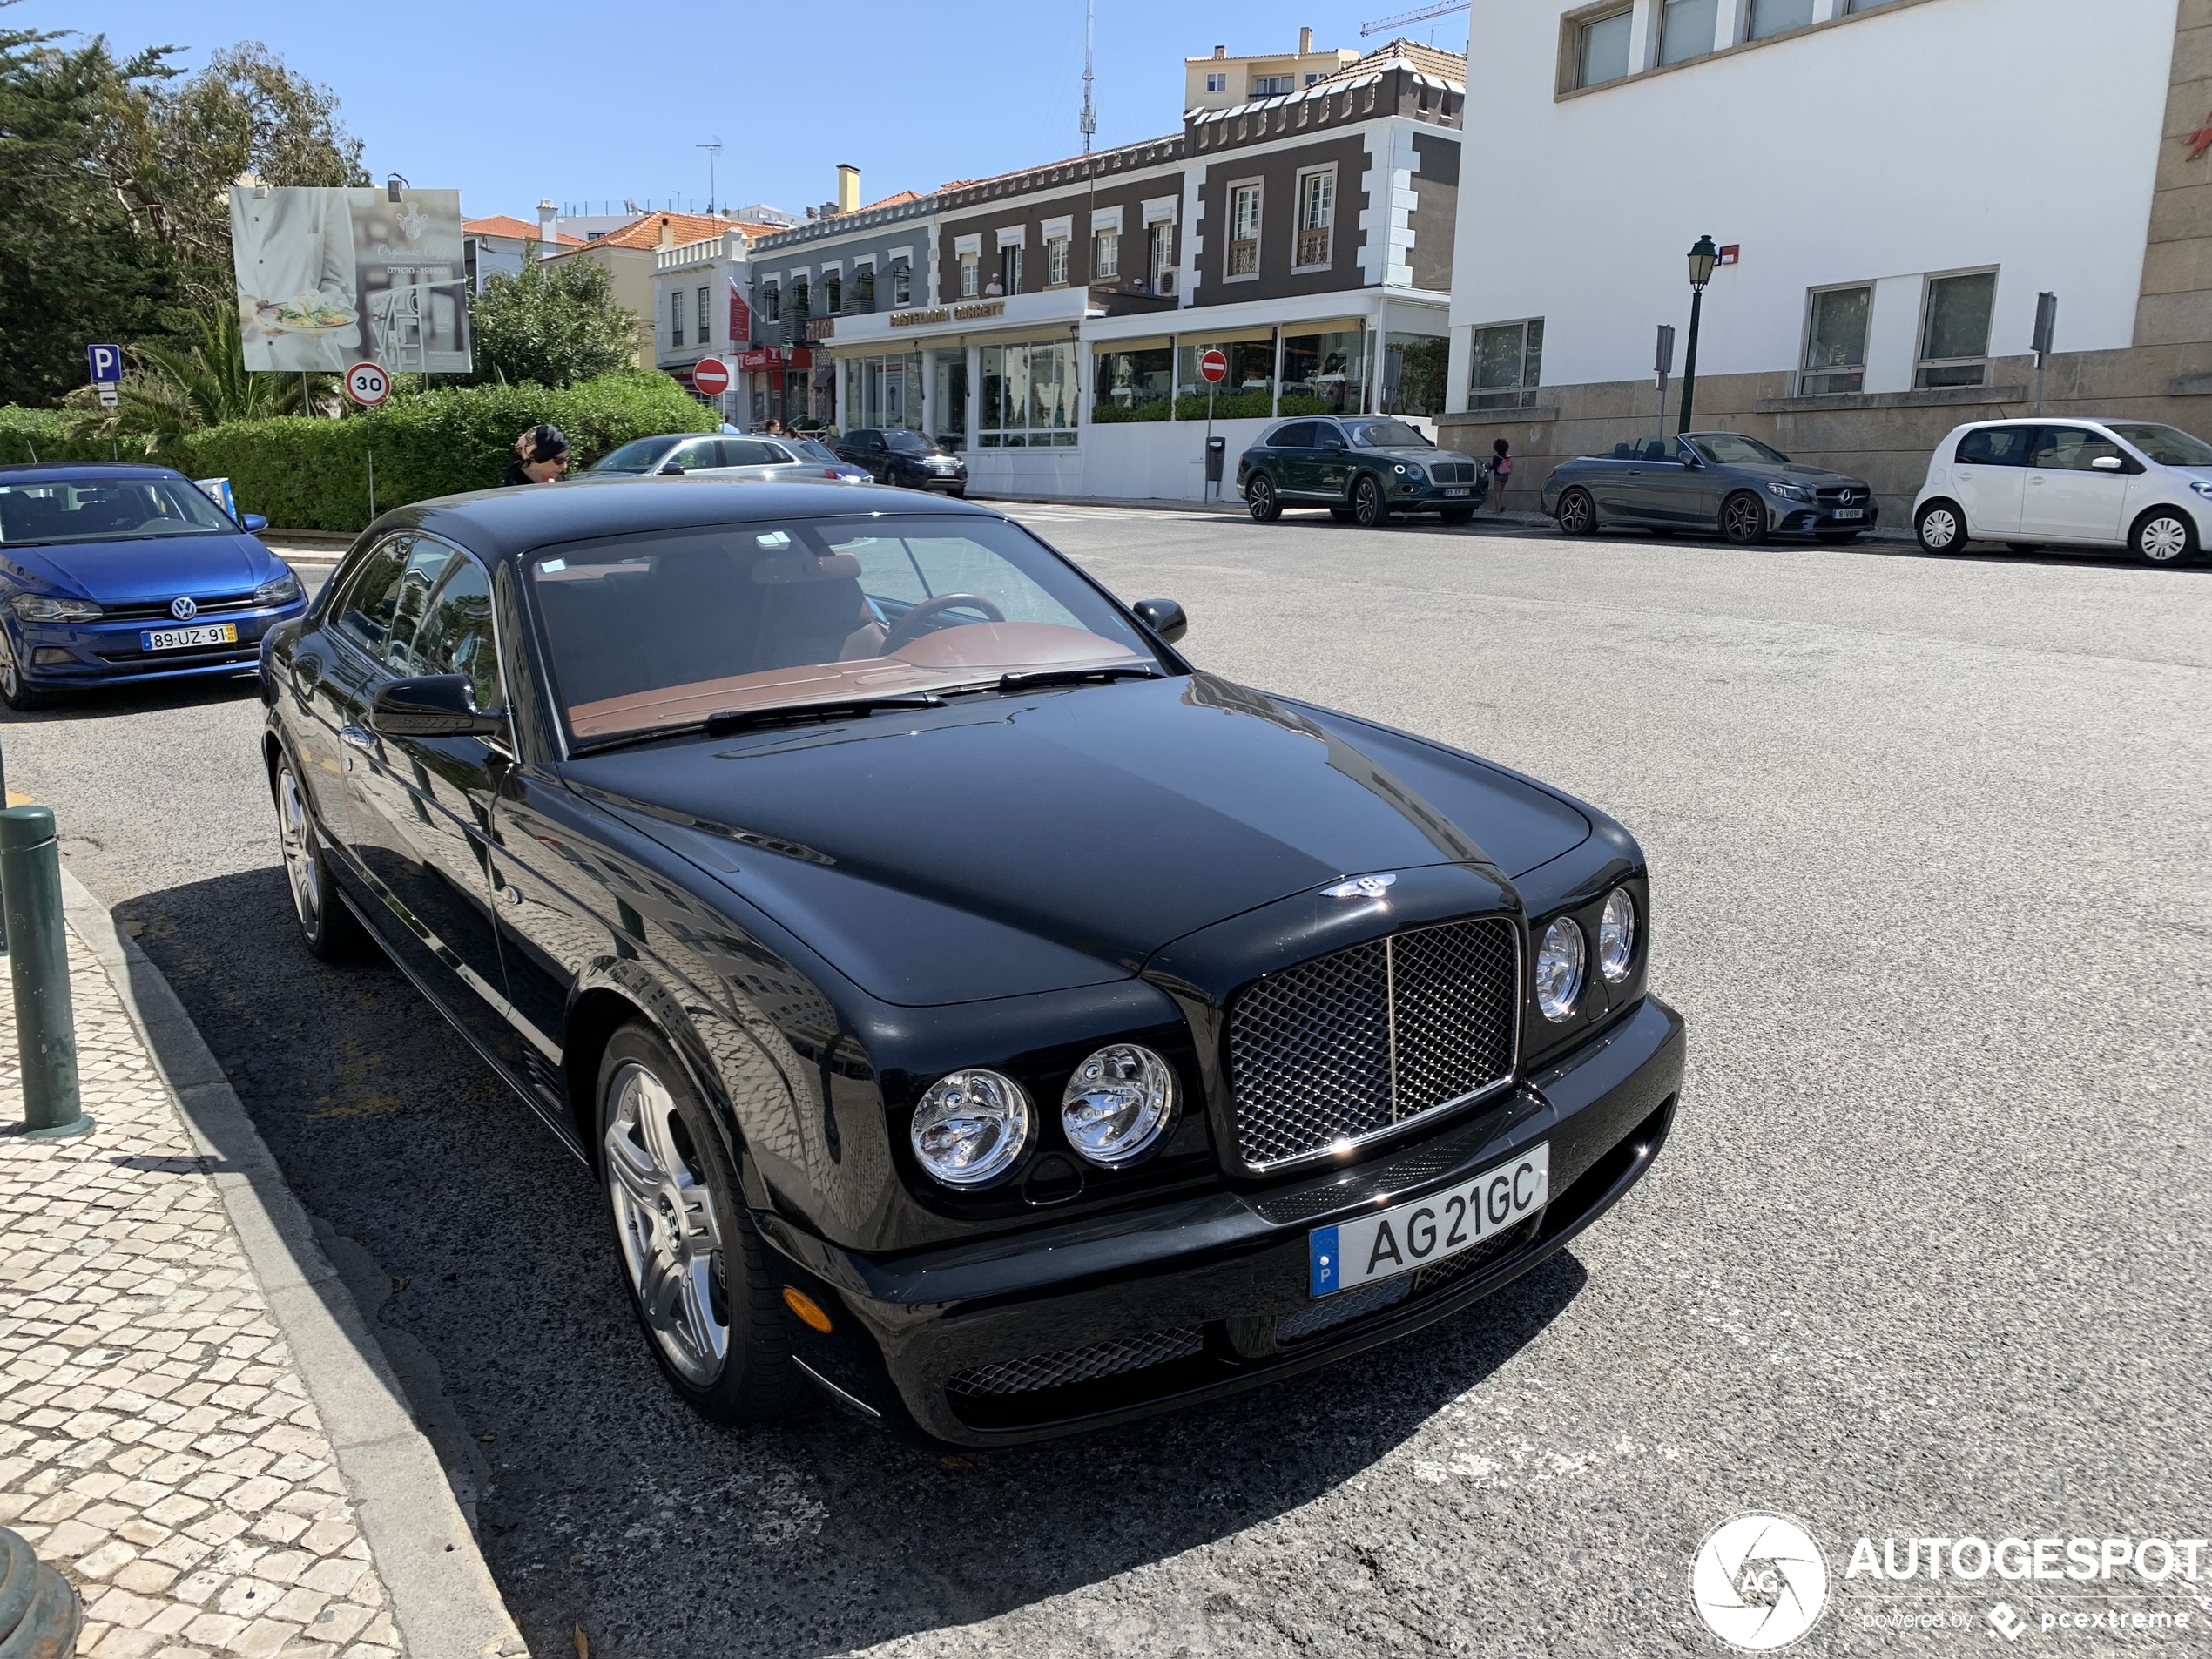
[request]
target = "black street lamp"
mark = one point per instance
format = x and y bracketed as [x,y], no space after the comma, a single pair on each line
[1703,258]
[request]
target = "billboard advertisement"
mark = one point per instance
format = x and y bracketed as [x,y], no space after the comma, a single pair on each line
[331,278]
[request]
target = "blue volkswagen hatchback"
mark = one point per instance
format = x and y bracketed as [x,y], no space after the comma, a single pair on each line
[113,575]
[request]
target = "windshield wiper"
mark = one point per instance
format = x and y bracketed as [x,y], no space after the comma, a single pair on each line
[1022,679]
[721,725]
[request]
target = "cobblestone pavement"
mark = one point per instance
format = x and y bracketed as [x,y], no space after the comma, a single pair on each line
[155,1441]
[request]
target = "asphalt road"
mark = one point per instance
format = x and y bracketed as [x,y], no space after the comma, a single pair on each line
[1927,1256]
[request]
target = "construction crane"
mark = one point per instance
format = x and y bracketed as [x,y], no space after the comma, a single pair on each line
[1405,18]
[1089,121]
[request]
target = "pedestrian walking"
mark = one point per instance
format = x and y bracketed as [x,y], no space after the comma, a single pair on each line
[541,453]
[1500,467]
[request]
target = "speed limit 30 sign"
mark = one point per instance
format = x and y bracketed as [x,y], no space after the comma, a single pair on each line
[368,385]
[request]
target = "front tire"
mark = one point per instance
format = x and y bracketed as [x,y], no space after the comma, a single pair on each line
[699,1277]
[1941,527]
[14,691]
[1370,508]
[331,932]
[1744,519]
[1261,501]
[2164,535]
[1577,514]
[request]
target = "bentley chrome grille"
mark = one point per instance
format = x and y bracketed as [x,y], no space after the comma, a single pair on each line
[1340,1048]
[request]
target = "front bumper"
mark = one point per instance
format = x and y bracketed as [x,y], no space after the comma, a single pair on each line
[1795,518]
[1434,498]
[109,651]
[1201,1281]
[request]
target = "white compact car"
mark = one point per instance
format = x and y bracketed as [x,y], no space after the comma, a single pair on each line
[2133,484]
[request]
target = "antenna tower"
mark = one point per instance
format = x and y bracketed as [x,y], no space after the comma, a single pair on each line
[1089,121]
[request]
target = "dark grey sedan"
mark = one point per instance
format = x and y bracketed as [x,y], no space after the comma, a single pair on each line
[1703,481]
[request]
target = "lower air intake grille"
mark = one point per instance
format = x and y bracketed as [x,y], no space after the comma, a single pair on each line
[1342,1048]
[1079,1365]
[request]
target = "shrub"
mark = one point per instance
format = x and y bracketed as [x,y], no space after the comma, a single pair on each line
[43,435]
[306,474]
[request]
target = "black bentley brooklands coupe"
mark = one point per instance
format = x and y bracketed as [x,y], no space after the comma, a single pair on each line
[967,1004]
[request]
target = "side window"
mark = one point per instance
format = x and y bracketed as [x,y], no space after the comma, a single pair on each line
[365,614]
[425,564]
[749,452]
[2070,448]
[1299,437]
[696,456]
[455,636]
[1995,446]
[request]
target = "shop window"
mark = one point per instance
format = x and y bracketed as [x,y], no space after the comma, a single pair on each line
[889,391]
[901,283]
[1317,205]
[1508,363]
[1133,380]
[1244,231]
[1324,371]
[1246,392]
[676,317]
[1029,396]
[1055,262]
[1163,259]
[1688,29]
[1106,256]
[1415,370]
[1600,47]
[952,399]
[1835,326]
[1774,17]
[971,276]
[834,292]
[706,331]
[1955,338]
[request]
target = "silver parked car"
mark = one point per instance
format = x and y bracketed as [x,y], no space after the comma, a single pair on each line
[782,460]
[1703,481]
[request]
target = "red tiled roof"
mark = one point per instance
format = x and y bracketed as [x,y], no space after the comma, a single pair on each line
[507,224]
[892,201]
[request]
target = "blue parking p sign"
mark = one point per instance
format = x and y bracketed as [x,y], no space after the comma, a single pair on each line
[107,363]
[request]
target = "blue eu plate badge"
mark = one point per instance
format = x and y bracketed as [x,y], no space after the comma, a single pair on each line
[1323,1247]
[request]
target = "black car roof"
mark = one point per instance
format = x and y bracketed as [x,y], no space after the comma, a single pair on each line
[510,521]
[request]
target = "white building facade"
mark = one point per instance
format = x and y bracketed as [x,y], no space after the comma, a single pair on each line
[702,308]
[1894,182]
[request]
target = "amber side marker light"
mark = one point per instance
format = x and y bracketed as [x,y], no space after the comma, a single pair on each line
[805,1307]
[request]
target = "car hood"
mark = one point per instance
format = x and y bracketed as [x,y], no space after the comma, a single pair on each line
[1040,841]
[1421,454]
[154,569]
[1794,472]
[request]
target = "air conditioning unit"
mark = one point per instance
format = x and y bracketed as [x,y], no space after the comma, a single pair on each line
[1166,284]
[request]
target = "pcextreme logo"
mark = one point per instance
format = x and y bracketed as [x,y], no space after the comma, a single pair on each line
[1759,1582]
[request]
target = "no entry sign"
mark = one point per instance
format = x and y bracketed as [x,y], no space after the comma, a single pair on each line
[710,376]
[368,385]
[1215,365]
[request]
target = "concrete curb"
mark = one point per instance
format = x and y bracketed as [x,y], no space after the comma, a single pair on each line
[443,1600]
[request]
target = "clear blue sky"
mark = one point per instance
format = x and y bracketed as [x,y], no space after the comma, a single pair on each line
[509,102]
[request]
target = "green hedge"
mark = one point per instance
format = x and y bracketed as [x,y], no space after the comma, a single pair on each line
[42,434]
[306,474]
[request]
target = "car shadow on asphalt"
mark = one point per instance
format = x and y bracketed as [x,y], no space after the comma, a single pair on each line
[603,1503]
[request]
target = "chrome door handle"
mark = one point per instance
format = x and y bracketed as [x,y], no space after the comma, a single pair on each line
[358,736]
[513,894]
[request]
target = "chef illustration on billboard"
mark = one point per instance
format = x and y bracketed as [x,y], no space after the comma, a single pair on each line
[293,253]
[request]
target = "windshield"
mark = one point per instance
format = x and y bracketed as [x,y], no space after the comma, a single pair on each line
[807,449]
[2167,445]
[910,443]
[640,457]
[106,509]
[1386,434]
[668,628]
[1733,449]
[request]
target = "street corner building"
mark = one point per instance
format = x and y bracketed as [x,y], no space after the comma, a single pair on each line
[1049,324]
[1885,224]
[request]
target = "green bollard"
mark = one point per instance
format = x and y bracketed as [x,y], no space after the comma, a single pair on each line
[31,893]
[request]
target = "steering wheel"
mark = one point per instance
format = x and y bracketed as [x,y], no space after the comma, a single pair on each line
[909,628]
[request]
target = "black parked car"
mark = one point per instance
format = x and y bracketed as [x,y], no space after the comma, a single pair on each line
[1362,467]
[966,1003]
[899,457]
[1708,481]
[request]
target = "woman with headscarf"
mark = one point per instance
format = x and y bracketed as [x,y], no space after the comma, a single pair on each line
[540,455]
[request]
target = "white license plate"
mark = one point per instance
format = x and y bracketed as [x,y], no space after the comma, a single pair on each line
[1407,1236]
[207,633]
[1851,512]
[1455,492]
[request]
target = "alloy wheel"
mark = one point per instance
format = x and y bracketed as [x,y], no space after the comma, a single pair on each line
[2163,540]
[1259,501]
[1577,516]
[1743,521]
[672,1238]
[294,834]
[1367,503]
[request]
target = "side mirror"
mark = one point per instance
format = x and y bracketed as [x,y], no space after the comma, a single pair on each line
[434,706]
[1689,459]
[672,470]
[2103,463]
[1163,617]
[254,523]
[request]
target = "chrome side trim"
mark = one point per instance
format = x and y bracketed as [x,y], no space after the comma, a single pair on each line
[833,1391]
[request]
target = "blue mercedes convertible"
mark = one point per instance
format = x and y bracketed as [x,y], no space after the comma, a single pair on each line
[111,575]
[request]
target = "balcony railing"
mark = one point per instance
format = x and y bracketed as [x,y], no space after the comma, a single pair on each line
[1313,247]
[1243,258]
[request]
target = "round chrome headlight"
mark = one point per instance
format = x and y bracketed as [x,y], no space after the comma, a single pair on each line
[1616,936]
[971,1126]
[1559,969]
[1118,1104]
